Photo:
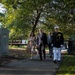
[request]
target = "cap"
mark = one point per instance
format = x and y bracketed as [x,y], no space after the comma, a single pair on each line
[56,27]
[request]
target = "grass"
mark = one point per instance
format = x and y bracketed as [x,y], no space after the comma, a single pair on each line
[13,46]
[67,67]
[19,52]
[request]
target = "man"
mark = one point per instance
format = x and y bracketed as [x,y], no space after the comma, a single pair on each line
[57,42]
[41,43]
[49,39]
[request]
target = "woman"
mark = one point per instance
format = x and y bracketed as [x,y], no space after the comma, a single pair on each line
[32,44]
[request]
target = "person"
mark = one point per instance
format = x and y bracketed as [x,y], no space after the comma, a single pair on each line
[41,43]
[32,44]
[49,38]
[57,42]
[70,46]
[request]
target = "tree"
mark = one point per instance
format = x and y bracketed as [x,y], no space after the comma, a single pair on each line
[29,13]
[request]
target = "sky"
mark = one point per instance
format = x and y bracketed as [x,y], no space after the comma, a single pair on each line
[2,9]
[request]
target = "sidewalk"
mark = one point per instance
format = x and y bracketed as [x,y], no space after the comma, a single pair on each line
[30,67]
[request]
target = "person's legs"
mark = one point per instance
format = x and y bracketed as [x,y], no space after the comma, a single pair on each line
[51,51]
[49,46]
[54,54]
[59,54]
[40,52]
[44,53]
[31,56]
[32,49]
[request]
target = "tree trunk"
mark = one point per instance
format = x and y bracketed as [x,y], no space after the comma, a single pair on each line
[36,21]
[33,29]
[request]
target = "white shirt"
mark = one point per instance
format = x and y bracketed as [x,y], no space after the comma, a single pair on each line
[40,36]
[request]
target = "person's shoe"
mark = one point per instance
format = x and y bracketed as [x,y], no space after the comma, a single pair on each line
[55,61]
[59,60]
[50,56]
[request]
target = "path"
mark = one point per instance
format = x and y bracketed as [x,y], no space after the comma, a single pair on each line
[30,67]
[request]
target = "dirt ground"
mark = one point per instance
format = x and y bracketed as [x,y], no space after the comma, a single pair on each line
[14,54]
[19,53]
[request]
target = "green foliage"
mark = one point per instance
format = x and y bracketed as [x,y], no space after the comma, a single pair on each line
[25,15]
[67,66]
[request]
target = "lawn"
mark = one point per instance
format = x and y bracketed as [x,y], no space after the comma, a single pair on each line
[67,66]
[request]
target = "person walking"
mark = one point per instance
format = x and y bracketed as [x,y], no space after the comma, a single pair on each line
[32,44]
[49,39]
[57,42]
[41,43]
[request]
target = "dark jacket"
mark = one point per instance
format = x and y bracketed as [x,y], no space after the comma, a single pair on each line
[43,38]
[57,39]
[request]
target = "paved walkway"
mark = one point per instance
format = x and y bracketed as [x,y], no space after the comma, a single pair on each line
[30,67]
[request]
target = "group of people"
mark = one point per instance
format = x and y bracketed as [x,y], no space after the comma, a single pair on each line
[53,41]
